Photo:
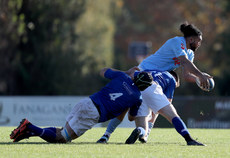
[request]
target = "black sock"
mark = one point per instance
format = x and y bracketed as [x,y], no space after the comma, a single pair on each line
[187,137]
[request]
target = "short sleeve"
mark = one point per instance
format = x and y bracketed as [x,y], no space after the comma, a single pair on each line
[179,48]
[133,110]
[110,74]
[190,55]
[169,91]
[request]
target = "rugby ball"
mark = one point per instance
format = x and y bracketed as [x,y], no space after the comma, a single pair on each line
[211,84]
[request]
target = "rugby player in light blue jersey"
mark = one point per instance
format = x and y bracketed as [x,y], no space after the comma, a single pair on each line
[176,52]
[122,92]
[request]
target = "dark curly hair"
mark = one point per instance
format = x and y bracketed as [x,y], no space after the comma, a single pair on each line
[175,75]
[189,30]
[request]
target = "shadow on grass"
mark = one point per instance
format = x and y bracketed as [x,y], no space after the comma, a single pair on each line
[20,143]
[72,143]
[42,143]
[94,143]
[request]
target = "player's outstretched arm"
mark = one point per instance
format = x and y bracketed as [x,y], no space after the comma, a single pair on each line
[132,70]
[102,72]
[129,72]
[190,68]
[131,118]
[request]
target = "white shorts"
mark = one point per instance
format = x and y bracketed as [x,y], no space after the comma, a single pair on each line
[83,116]
[153,100]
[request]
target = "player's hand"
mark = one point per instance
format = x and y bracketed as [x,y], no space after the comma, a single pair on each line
[132,70]
[204,80]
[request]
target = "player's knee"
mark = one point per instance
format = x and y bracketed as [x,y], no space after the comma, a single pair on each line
[169,112]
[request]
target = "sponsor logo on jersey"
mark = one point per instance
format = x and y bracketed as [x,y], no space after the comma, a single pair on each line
[176,61]
[182,46]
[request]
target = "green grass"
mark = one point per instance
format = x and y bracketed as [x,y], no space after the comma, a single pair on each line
[162,143]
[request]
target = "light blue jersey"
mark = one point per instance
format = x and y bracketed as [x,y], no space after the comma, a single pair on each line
[166,58]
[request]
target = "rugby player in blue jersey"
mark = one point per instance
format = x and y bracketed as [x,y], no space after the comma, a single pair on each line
[122,92]
[168,82]
[157,100]
[176,52]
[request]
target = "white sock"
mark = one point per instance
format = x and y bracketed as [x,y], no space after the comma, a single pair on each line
[150,127]
[142,134]
[107,133]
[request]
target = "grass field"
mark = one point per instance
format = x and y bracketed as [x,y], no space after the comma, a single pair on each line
[166,143]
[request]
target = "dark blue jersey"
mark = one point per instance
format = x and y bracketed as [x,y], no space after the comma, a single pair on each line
[118,95]
[165,80]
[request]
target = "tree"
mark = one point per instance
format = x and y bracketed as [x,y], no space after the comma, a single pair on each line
[55,47]
[39,44]
[144,20]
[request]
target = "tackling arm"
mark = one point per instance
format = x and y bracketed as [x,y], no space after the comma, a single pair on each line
[131,118]
[129,72]
[102,72]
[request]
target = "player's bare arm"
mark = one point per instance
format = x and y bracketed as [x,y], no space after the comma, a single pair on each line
[130,72]
[189,70]
[102,72]
[131,118]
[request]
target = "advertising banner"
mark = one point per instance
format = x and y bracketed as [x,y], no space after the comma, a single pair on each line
[196,112]
[41,110]
[201,112]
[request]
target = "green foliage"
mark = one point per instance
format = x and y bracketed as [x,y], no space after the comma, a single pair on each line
[45,49]
[144,20]
[162,143]
[58,47]
[95,29]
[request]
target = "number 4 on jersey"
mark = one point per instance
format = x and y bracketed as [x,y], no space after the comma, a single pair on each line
[114,96]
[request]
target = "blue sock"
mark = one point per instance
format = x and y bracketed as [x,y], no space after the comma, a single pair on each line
[52,129]
[180,126]
[112,126]
[48,134]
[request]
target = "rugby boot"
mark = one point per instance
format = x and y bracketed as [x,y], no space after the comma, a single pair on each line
[104,139]
[133,137]
[21,131]
[194,142]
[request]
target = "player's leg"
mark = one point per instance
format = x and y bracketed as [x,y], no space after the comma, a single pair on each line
[170,113]
[151,122]
[82,118]
[27,129]
[139,131]
[66,134]
[153,100]
[141,121]
[111,127]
